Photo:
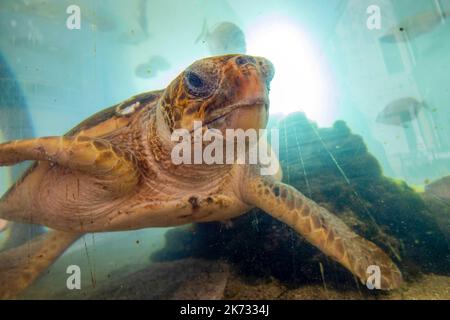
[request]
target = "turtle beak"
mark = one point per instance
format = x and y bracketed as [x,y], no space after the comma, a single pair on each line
[257,73]
[250,110]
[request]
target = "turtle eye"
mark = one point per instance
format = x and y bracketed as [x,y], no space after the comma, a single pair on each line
[194,80]
[197,85]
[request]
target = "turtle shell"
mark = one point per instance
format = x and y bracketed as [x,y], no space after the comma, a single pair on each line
[114,117]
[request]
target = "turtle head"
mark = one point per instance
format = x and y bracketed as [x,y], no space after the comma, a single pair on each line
[223,92]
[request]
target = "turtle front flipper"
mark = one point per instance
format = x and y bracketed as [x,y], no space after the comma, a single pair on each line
[20,266]
[115,169]
[321,228]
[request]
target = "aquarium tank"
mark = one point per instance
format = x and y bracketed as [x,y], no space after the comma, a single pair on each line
[116,123]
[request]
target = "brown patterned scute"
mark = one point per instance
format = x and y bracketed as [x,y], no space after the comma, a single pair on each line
[144,100]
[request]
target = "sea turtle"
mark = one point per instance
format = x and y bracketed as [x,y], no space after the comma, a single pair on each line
[114,171]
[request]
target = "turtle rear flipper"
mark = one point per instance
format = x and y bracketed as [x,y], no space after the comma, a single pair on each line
[95,156]
[322,229]
[20,266]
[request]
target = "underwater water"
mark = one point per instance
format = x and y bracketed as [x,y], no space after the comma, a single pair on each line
[360,99]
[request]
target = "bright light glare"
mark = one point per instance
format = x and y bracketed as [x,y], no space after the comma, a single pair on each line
[299,84]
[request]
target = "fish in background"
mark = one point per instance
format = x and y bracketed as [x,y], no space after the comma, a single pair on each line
[55,11]
[400,112]
[151,68]
[15,123]
[415,26]
[225,38]
[139,33]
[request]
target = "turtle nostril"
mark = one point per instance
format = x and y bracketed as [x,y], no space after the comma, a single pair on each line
[241,60]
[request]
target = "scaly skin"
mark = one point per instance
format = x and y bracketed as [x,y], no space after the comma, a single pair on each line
[321,228]
[81,153]
[114,172]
